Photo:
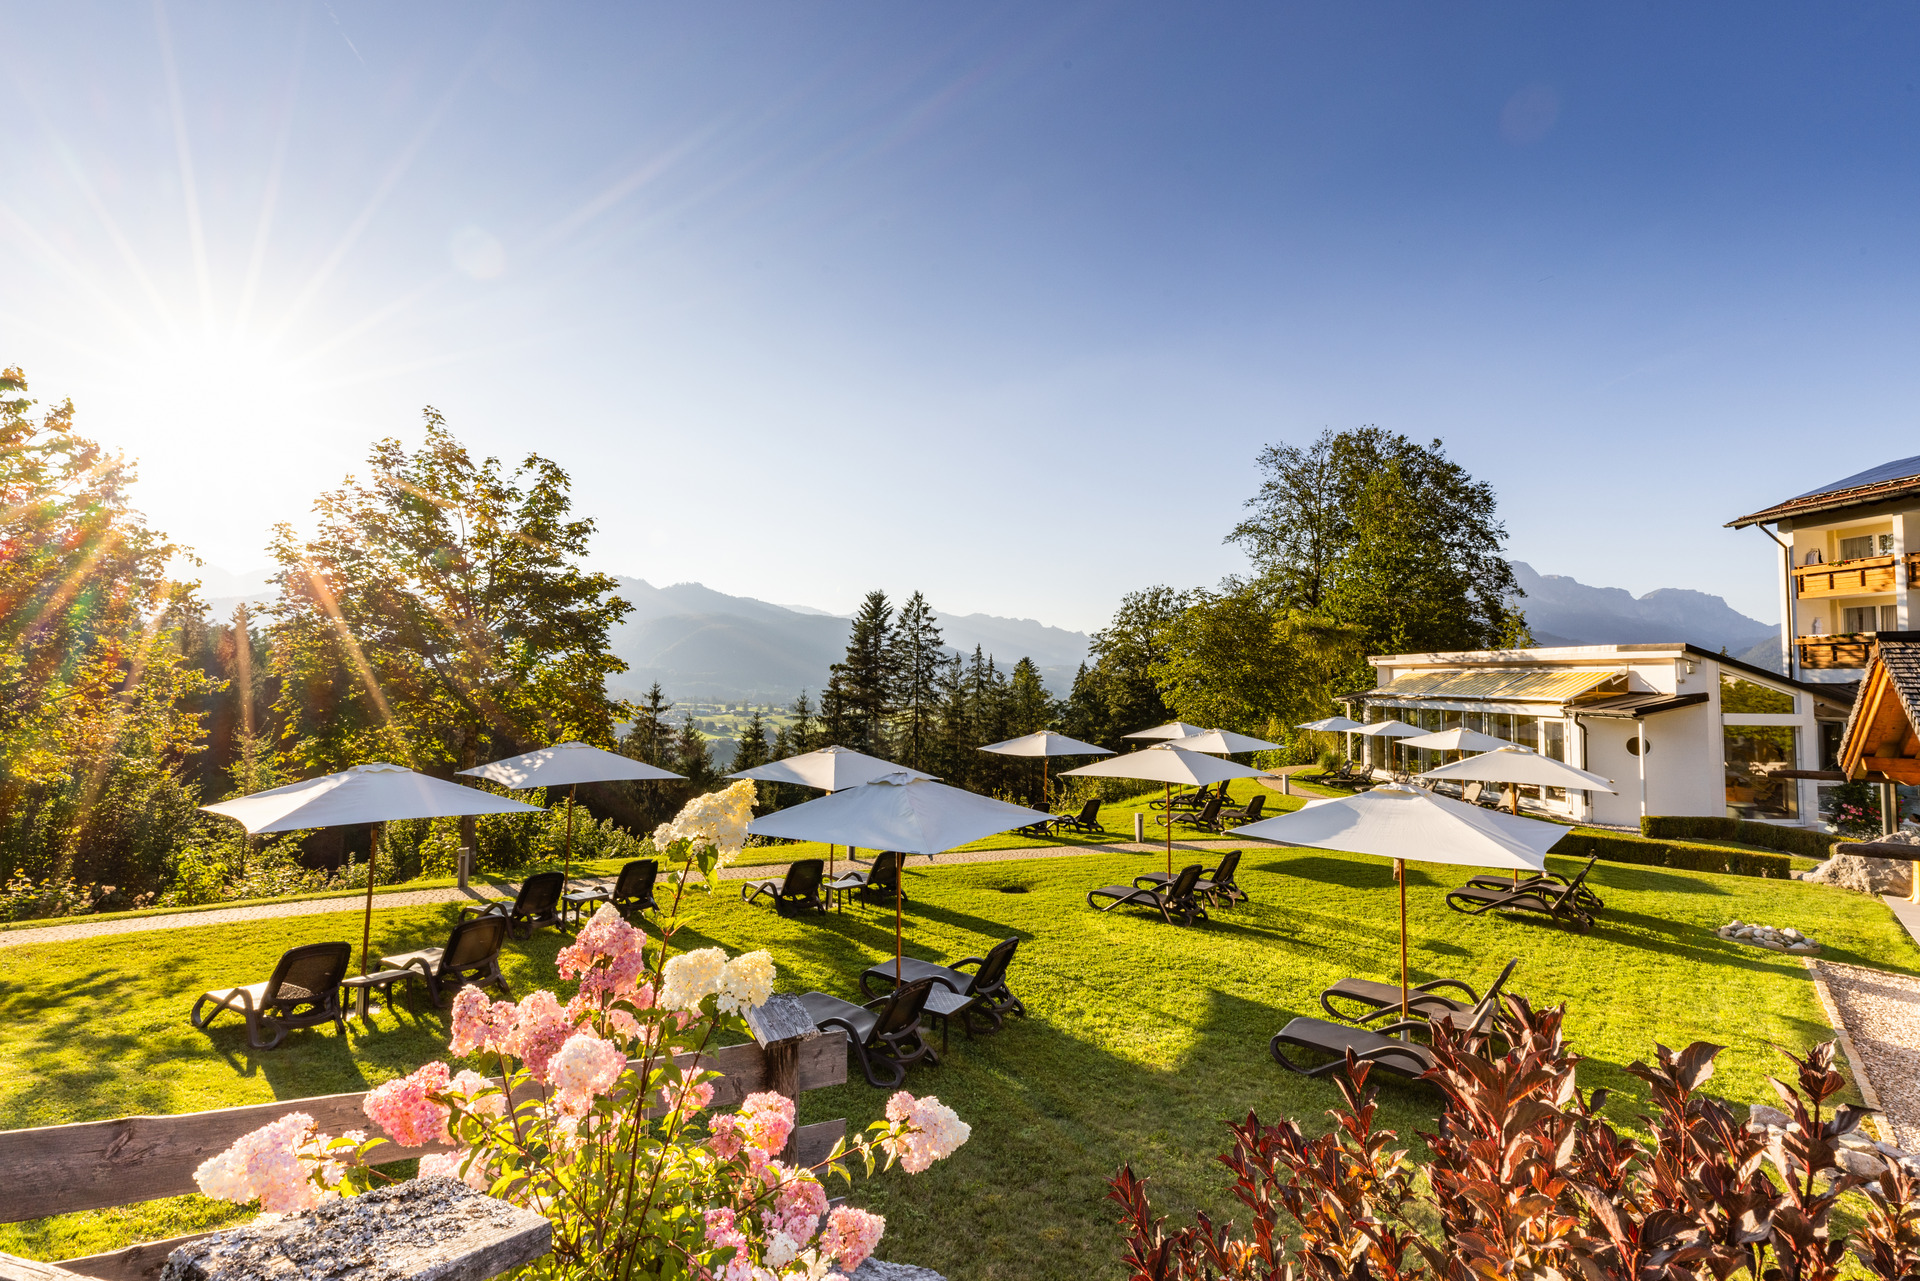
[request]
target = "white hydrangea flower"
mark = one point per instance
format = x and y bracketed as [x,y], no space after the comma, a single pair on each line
[746,982]
[690,977]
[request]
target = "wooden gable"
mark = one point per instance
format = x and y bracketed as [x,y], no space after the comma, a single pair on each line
[1882,738]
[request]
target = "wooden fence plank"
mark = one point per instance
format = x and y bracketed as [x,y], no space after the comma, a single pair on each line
[812,1144]
[90,1165]
[13,1268]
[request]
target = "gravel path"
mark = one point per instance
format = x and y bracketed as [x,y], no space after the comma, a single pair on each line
[1880,1013]
[80,928]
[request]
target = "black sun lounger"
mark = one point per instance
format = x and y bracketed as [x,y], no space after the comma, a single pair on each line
[472,955]
[537,904]
[1174,899]
[1540,881]
[303,991]
[797,891]
[1216,882]
[1562,905]
[986,986]
[884,1033]
[1376,1046]
[1423,1001]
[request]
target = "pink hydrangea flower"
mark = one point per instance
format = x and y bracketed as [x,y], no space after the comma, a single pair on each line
[688,1096]
[608,956]
[798,1202]
[265,1165]
[404,1111]
[479,1023]
[851,1236]
[766,1119]
[586,1065]
[540,1028]
[930,1131]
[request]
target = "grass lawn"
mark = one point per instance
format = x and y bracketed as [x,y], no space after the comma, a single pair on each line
[1144,1038]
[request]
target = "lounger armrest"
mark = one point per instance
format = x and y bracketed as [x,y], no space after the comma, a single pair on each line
[966,960]
[1473,997]
[1405,1025]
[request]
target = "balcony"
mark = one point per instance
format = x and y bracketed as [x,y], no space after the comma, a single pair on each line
[1846,649]
[1868,575]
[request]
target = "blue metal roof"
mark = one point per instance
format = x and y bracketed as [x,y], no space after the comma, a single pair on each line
[1899,469]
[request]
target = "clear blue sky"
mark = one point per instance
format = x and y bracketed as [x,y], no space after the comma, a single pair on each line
[997,301]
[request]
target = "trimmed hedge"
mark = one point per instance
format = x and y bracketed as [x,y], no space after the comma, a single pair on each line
[1803,841]
[1615,848]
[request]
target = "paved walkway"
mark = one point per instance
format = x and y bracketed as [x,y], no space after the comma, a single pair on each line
[70,929]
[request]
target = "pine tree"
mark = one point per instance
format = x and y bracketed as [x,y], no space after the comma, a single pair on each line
[867,675]
[803,731]
[751,750]
[917,659]
[692,758]
[834,717]
[1084,715]
[954,757]
[650,738]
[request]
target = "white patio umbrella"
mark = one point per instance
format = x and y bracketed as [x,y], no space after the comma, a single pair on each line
[375,793]
[1399,822]
[904,811]
[1224,742]
[1331,725]
[566,765]
[1045,744]
[1519,767]
[1390,730]
[1172,729]
[1169,764]
[1457,739]
[831,769]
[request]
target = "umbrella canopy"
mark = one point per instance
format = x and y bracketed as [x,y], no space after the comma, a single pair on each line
[375,793]
[1169,764]
[564,764]
[1399,823]
[1224,742]
[902,811]
[1390,729]
[1332,725]
[1046,743]
[1172,729]
[1458,740]
[830,769]
[1518,765]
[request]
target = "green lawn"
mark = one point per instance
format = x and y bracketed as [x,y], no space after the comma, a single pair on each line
[1143,1040]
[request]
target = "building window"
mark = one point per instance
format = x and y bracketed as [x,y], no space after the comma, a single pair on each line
[1889,618]
[1745,696]
[1856,548]
[1871,618]
[1553,743]
[1753,753]
[1886,544]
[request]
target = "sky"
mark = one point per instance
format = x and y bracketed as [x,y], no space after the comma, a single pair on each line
[995,301]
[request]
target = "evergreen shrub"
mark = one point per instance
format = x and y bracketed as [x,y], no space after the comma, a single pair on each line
[1617,848]
[1803,841]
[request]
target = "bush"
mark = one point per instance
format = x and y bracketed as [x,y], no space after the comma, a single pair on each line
[1331,760]
[1615,848]
[1529,1180]
[1803,841]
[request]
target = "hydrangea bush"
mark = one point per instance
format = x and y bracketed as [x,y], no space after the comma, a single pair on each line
[597,1118]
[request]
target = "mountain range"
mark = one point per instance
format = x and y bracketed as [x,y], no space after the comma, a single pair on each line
[701,644]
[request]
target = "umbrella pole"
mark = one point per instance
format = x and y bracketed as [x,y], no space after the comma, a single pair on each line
[566,867]
[899,944]
[1400,874]
[1169,829]
[366,924]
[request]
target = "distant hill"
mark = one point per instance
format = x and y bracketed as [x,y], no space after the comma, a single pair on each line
[703,644]
[1563,611]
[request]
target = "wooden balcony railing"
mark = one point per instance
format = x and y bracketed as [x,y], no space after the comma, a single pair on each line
[1867,575]
[1848,649]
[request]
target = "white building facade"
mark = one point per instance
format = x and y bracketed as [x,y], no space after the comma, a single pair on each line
[1678,729]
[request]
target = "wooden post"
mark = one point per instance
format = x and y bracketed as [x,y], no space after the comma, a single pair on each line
[780,1026]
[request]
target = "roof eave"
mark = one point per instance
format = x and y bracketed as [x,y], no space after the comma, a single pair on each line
[1837,501]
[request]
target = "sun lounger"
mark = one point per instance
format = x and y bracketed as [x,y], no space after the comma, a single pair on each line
[1216,883]
[1174,899]
[884,1033]
[472,955]
[878,884]
[1540,881]
[986,987]
[537,904]
[1087,820]
[797,891]
[1194,800]
[632,892]
[1562,904]
[1378,1046]
[1423,1000]
[1207,818]
[302,991]
[1249,813]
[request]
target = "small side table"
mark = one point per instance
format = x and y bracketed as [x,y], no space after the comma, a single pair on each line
[576,903]
[381,981]
[943,1002]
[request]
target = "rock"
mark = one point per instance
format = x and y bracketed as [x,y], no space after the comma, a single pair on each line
[1762,1115]
[1866,875]
[875,1270]
[1867,1165]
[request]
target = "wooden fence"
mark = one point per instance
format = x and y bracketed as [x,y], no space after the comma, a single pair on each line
[92,1165]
